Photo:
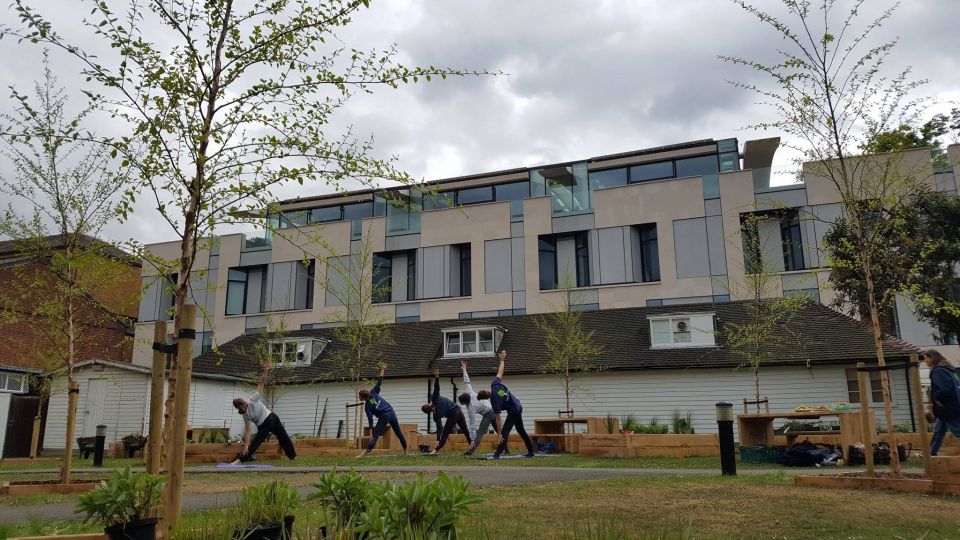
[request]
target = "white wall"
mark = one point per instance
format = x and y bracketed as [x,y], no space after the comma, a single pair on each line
[123,406]
[643,393]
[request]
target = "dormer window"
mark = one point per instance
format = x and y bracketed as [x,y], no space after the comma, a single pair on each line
[471,341]
[296,352]
[682,330]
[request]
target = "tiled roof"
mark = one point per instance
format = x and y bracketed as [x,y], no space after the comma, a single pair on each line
[828,337]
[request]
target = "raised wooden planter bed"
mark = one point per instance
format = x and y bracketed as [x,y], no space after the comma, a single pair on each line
[909,484]
[458,443]
[633,445]
[20,489]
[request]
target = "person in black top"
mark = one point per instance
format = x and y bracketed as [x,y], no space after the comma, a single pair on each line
[446,413]
[374,405]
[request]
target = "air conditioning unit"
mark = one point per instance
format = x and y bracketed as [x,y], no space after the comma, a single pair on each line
[303,351]
[681,326]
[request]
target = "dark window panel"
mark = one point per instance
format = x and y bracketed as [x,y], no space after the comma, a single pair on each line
[547,258]
[466,277]
[698,166]
[328,213]
[358,210]
[382,278]
[608,179]
[651,171]
[515,192]
[792,243]
[649,253]
[475,195]
[294,218]
[583,259]
[434,201]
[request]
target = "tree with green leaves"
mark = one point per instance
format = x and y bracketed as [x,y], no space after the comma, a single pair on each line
[571,350]
[918,258]
[830,93]
[64,191]
[226,102]
[765,331]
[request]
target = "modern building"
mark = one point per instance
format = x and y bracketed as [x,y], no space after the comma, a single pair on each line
[656,231]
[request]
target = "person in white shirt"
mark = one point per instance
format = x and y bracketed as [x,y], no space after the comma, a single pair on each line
[256,413]
[478,404]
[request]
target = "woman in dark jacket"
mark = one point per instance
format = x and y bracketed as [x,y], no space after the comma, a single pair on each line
[944,398]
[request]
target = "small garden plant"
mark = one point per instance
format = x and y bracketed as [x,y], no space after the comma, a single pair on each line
[125,497]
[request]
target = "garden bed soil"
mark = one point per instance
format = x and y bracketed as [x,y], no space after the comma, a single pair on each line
[34,487]
[905,483]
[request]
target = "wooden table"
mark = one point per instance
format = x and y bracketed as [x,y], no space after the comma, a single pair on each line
[555,429]
[757,428]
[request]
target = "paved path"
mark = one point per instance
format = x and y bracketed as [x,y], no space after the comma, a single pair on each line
[476,475]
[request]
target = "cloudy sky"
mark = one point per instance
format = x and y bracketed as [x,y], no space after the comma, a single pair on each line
[581,78]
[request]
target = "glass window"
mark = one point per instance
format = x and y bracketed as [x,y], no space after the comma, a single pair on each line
[568,188]
[486,340]
[206,343]
[608,179]
[469,339]
[660,332]
[168,290]
[707,167]
[403,211]
[583,259]
[236,291]
[303,288]
[515,192]
[361,210]
[548,263]
[697,166]
[411,275]
[475,195]
[651,171]
[323,215]
[729,162]
[876,387]
[649,253]
[295,218]
[434,201]
[382,275]
[453,343]
[792,243]
[466,278]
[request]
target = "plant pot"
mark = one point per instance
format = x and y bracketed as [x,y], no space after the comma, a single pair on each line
[144,529]
[283,531]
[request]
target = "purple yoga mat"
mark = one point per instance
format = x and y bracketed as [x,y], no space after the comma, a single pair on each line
[245,466]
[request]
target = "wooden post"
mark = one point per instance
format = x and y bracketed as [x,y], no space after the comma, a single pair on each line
[181,406]
[154,439]
[35,436]
[921,415]
[347,430]
[866,426]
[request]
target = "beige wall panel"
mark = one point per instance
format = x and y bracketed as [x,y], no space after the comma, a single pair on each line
[317,241]
[474,223]
[374,233]
[450,308]
[736,196]
[661,202]
[914,166]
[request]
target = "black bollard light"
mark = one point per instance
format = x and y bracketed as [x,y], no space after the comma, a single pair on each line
[98,447]
[728,454]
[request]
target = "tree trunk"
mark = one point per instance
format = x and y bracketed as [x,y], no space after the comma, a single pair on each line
[884,378]
[756,387]
[71,383]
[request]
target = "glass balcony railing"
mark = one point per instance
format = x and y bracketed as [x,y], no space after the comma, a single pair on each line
[257,241]
[776,178]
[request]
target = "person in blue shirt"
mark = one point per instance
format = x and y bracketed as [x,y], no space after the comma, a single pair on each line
[944,398]
[374,405]
[446,414]
[503,400]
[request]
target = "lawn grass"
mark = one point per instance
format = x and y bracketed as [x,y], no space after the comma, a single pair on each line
[755,506]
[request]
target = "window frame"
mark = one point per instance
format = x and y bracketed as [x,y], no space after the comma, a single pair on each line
[495,333]
[671,319]
[649,243]
[876,393]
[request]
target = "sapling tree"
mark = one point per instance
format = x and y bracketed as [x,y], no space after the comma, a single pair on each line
[571,350]
[830,93]
[229,101]
[64,190]
[765,330]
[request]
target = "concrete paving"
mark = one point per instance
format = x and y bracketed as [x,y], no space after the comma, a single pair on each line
[476,475]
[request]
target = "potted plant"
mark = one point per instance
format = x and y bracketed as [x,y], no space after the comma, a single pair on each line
[133,442]
[266,512]
[126,503]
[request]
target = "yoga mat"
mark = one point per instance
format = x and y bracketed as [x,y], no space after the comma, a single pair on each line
[245,466]
[517,456]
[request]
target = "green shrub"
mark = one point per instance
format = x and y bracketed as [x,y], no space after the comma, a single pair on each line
[123,498]
[682,424]
[417,509]
[265,505]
